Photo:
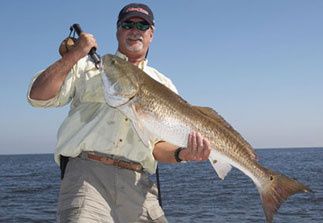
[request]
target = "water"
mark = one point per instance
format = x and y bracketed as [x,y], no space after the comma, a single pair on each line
[191,192]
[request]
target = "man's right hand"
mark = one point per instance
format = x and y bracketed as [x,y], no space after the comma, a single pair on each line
[83,46]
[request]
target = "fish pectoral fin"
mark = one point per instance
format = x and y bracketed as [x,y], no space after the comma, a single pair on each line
[137,117]
[222,168]
[111,96]
[129,110]
[143,135]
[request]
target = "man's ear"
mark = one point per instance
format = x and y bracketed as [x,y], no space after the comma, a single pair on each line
[117,34]
[151,35]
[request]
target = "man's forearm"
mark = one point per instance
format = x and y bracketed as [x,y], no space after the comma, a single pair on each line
[164,152]
[47,85]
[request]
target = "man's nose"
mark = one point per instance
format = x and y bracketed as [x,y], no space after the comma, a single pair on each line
[135,30]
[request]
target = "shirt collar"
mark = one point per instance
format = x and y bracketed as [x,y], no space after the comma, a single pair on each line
[141,65]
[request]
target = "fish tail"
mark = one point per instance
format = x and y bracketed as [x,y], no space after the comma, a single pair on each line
[276,190]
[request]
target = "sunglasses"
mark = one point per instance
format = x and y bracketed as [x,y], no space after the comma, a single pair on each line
[140,25]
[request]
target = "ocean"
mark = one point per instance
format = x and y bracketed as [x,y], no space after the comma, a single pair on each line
[191,192]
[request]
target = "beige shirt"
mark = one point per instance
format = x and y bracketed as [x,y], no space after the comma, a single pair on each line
[91,124]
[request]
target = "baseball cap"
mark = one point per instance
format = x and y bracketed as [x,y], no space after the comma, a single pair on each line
[136,10]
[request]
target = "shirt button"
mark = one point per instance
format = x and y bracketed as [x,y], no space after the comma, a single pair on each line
[126,119]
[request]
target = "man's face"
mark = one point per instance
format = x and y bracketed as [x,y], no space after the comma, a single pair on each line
[134,41]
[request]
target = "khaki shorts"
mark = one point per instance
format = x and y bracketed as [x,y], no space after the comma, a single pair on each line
[95,192]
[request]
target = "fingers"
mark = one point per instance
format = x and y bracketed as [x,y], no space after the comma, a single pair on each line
[88,40]
[198,147]
[85,43]
[207,149]
[193,145]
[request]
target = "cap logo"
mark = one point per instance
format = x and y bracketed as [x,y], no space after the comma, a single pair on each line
[138,10]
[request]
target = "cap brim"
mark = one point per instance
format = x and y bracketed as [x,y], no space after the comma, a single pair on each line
[135,15]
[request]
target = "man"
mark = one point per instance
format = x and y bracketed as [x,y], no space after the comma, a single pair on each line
[105,178]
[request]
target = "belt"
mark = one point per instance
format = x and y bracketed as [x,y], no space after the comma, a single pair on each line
[118,163]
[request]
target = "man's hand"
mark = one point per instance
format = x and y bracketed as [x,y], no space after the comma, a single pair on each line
[83,45]
[198,148]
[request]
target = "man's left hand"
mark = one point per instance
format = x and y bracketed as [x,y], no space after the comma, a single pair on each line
[198,148]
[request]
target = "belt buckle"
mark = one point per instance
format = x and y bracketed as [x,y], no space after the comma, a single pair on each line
[116,163]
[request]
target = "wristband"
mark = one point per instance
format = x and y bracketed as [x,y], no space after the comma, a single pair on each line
[176,154]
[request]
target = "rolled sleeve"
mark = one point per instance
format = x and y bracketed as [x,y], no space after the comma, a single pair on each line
[62,98]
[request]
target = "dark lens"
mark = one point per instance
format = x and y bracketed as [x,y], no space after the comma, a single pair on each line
[127,25]
[142,25]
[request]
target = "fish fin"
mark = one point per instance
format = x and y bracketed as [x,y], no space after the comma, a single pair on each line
[222,168]
[218,118]
[211,113]
[129,110]
[143,135]
[108,91]
[276,190]
[137,117]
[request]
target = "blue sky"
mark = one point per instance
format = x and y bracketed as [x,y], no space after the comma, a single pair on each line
[258,63]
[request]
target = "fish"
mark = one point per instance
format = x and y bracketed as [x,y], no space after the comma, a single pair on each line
[157,111]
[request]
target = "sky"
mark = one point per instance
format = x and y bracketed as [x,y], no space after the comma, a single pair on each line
[258,63]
